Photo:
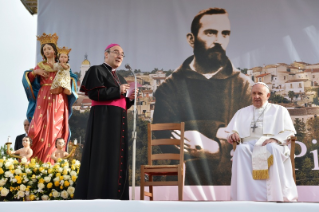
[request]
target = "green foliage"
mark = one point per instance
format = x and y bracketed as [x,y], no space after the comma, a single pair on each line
[124,73]
[306,133]
[315,89]
[291,95]
[3,152]
[277,98]
[78,74]
[313,127]
[300,127]
[244,70]
[169,72]
[154,70]
[78,122]
[141,148]
[307,176]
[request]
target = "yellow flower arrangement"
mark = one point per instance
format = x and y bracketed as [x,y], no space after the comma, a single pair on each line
[37,181]
[49,185]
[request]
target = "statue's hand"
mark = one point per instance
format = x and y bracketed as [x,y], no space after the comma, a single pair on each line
[41,72]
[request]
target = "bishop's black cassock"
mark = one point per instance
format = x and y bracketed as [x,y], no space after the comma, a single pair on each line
[104,165]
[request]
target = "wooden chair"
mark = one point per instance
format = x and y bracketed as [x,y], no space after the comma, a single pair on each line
[160,170]
[292,142]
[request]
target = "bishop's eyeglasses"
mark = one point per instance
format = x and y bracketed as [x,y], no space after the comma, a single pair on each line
[117,53]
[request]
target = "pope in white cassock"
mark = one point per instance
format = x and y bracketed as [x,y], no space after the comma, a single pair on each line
[261,169]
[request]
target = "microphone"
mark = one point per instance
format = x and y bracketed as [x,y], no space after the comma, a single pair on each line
[127,66]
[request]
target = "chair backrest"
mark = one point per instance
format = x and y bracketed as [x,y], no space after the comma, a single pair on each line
[292,155]
[167,141]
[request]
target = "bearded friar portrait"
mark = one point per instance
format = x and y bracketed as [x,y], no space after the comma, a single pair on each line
[204,92]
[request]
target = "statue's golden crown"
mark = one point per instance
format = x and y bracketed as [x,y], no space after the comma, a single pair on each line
[48,38]
[64,50]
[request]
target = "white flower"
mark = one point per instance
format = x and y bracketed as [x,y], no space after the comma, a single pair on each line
[4,192]
[60,169]
[61,182]
[3,181]
[40,185]
[20,193]
[25,180]
[47,179]
[64,194]
[17,171]
[71,190]
[66,177]
[56,179]
[45,197]
[27,193]
[8,163]
[24,160]
[22,187]
[77,163]
[65,167]
[13,180]
[73,173]
[28,171]
[1,164]
[71,182]
[54,193]
[8,174]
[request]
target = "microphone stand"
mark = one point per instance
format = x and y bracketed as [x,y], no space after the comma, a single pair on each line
[127,66]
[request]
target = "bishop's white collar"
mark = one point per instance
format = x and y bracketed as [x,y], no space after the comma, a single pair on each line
[113,69]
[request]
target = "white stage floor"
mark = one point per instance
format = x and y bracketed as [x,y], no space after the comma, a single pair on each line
[155,206]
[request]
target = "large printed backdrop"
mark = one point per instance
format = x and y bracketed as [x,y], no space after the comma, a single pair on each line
[271,41]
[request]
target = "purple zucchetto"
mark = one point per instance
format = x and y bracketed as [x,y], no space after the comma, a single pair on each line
[111,45]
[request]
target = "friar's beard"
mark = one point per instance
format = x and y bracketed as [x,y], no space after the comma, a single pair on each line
[210,60]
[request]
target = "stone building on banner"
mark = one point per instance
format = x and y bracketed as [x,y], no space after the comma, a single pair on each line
[145,100]
[282,78]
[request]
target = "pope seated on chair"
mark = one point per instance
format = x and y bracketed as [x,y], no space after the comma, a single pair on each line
[261,169]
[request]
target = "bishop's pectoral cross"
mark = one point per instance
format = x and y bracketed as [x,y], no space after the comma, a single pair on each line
[254,127]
